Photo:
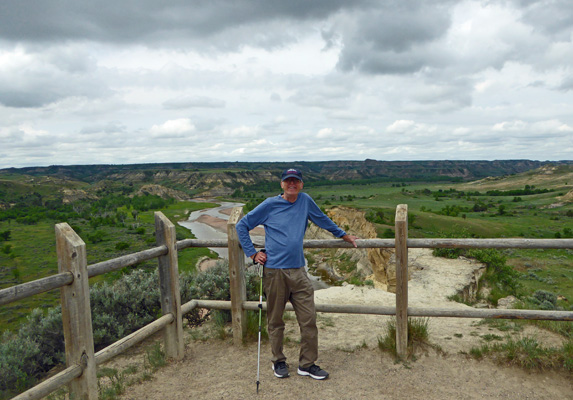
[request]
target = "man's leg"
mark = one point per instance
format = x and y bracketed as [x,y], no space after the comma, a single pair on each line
[277,296]
[302,300]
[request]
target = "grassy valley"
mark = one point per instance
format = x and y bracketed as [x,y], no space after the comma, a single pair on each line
[112,208]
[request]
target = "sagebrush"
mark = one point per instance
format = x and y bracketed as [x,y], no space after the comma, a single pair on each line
[118,309]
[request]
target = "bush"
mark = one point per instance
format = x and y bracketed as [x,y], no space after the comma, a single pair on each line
[124,306]
[32,352]
[118,309]
[5,235]
[97,236]
[6,249]
[214,284]
[447,253]
[121,246]
[498,272]
[546,300]
[502,277]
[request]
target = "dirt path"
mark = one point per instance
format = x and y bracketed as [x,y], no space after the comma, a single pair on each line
[217,370]
[214,369]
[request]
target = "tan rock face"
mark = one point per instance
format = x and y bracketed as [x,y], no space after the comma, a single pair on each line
[163,192]
[370,263]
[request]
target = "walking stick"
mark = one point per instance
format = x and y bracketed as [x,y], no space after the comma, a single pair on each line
[260,272]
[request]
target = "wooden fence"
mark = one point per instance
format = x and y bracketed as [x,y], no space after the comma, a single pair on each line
[73,274]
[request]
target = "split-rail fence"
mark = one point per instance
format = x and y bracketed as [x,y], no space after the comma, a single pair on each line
[73,275]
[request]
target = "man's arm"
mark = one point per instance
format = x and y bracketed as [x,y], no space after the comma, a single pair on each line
[245,225]
[321,219]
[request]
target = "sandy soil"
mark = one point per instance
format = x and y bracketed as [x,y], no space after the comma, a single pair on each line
[218,370]
[215,369]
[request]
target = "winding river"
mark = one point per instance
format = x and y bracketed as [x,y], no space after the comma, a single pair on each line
[204,231]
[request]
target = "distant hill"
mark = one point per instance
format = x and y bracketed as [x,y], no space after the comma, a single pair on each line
[224,178]
[319,170]
[551,176]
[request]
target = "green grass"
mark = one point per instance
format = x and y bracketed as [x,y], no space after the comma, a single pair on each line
[527,353]
[33,254]
[548,270]
[532,217]
[522,351]
[418,337]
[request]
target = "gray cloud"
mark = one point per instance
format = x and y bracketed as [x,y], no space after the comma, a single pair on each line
[553,17]
[391,40]
[149,21]
[37,78]
[210,80]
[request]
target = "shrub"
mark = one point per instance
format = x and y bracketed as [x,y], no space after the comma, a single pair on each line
[214,284]
[5,235]
[498,272]
[118,309]
[97,236]
[447,253]
[388,233]
[34,350]
[546,300]
[7,248]
[124,306]
[121,245]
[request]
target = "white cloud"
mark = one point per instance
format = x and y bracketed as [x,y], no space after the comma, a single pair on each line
[177,128]
[317,80]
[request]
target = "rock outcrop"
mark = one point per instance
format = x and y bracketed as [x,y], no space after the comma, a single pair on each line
[374,264]
[162,191]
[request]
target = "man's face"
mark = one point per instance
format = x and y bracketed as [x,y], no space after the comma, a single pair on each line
[291,186]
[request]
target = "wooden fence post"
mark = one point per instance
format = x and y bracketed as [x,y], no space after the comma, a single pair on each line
[237,277]
[169,284]
[76,312]
[401,225]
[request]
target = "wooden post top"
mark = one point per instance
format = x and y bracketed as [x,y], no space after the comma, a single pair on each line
[402,212]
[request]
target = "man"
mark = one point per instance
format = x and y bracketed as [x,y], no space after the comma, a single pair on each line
[285,218]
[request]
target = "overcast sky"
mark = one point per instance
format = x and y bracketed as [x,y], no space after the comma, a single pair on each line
[121,82]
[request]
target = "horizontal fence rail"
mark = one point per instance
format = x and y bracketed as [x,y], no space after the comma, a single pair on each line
[412,311]
[412,243]
[38,286]
[28,289]
[125,261]
[170,322]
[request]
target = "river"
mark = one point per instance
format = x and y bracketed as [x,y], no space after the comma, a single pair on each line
[206,232]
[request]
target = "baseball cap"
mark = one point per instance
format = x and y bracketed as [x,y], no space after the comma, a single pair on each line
[291,173]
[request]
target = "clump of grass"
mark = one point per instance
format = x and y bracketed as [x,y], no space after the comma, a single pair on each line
[528,353]
[253,326]
[491,337]
[418,337]
[220,320]
[154,357]
[112,385]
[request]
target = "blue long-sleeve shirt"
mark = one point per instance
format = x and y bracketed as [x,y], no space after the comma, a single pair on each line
[285,224]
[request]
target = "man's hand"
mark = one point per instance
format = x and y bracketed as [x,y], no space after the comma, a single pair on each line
[260,257]
[350,239]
